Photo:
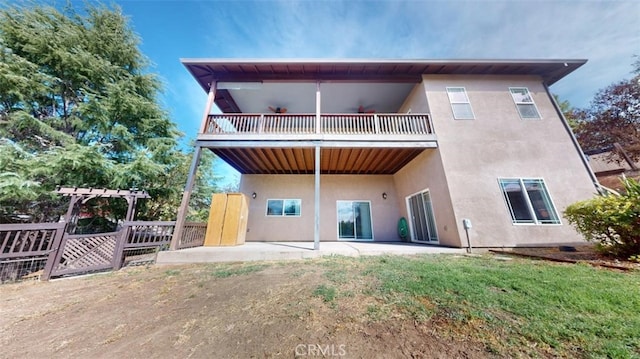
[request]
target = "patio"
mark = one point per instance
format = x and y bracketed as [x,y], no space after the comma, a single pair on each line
[261,251]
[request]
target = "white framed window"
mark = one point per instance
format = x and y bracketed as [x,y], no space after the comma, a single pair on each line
[524,102]
[460,104]
[528,201]
[284,207]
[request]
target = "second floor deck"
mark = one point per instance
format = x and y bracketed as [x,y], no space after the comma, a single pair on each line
[323,127]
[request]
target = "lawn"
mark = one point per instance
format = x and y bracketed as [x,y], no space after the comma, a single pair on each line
[367,307]
[520,305]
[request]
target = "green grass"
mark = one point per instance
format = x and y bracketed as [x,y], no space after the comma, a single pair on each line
[233,270]
[568,310]
[172,272]
[327,293]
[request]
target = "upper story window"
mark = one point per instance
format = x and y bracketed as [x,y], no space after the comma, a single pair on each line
[284,207]
[460,103]
[528,201]
[524,102]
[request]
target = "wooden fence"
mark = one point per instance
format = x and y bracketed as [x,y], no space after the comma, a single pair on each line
[44,250]
[28,248]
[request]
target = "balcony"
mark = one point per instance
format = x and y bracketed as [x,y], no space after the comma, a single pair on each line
[350,143]
[340,127]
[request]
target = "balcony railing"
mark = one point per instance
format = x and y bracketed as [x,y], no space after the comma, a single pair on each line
[333,124]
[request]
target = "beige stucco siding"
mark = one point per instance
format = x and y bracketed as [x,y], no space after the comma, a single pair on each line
[385,213]
[426,172]
[498,143]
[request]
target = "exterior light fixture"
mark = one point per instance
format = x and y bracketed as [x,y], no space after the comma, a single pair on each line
[254,195]
[384,195]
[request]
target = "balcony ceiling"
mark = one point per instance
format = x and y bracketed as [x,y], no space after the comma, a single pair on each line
[332,160]
[379,85]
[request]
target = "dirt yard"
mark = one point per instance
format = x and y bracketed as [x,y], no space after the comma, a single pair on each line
[211,311]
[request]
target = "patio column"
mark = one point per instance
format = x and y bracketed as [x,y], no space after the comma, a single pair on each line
[318,107]
[316,231]
[207,109]
[186,196]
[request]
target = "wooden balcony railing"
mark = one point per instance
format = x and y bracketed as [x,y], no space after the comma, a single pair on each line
[334,124]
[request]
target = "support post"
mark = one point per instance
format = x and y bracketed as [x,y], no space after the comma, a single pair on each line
[53,254]
[120,244]
[69,218]
[131,207]
[625,155]
[318,127]
[186,196]
[316,230]
[207,109]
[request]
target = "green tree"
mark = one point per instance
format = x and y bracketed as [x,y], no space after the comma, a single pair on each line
[78,107]
[568,111]
[613,117]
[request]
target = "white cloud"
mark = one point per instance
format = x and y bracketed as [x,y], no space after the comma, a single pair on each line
[606,33]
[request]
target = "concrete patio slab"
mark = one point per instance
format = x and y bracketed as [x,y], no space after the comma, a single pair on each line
[266,251]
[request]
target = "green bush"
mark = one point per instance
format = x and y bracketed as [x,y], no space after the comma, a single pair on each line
[612,221]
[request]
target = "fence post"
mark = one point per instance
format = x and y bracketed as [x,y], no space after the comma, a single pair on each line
[122,240]
[53,254]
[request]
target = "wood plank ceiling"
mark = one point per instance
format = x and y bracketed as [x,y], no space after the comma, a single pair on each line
[332,160]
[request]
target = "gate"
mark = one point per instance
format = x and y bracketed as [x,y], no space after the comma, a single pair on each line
[81,253]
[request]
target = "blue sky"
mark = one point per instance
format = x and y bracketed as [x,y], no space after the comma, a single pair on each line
[607,33]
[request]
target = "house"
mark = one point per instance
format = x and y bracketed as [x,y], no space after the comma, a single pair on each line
[610,164]
[333,150]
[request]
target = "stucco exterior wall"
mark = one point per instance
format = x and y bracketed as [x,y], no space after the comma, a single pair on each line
[426,172]
[385,213]
[499,144]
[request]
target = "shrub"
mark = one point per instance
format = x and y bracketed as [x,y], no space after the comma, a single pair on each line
[612,221]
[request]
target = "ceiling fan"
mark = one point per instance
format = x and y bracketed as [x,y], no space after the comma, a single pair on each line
[278,109]
[366,109]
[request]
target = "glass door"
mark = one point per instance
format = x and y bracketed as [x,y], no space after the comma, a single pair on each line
[423,224]
[354,221]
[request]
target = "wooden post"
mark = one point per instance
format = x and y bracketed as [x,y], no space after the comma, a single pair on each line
[625,155]
[69,217]
[120,243]
[207,109]
[131,207]
[186,196]
[53,254]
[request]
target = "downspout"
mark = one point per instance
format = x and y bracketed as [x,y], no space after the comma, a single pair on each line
[594,179]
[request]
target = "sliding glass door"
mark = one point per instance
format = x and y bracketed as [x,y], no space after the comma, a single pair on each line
[354,221]
[423,224]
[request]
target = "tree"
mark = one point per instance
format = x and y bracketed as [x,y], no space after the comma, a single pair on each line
[613,117]
[79,108]
[569,113]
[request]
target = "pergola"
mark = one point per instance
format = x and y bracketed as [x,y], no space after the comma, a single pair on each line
[83,195]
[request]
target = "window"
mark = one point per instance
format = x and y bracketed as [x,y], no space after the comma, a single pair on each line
[460,103]
[284,207]
[354,220]
[524,102]
[528,201]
